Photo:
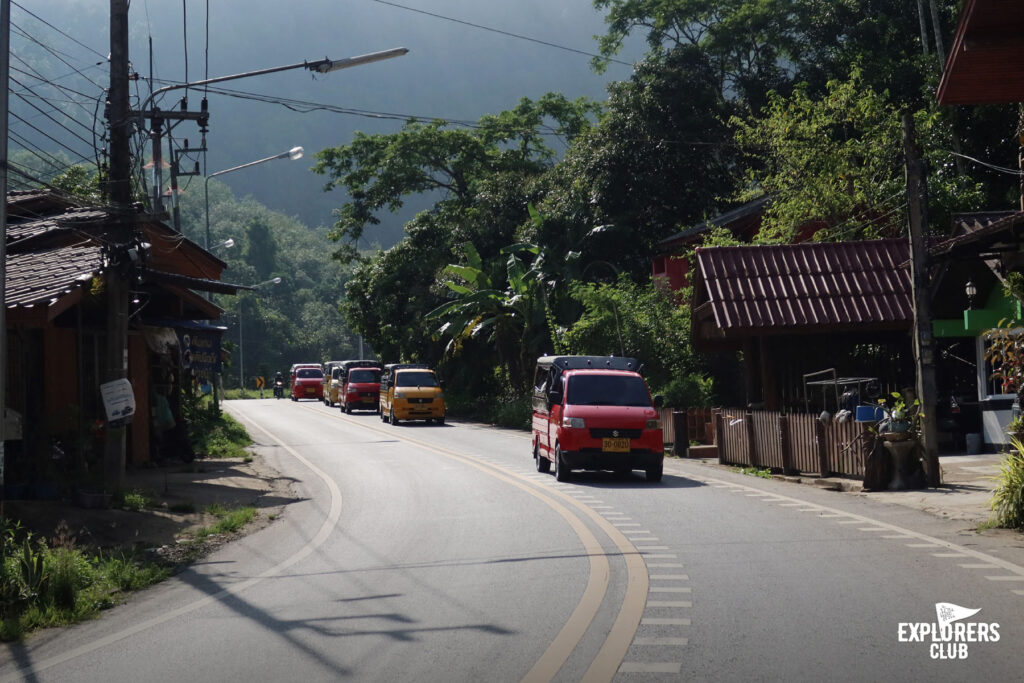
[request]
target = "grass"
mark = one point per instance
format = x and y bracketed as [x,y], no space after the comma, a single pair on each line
[135,500]
[58,583]
[763,473]
[218,435]
[229,520]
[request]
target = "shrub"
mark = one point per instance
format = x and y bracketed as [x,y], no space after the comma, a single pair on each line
[1008,497]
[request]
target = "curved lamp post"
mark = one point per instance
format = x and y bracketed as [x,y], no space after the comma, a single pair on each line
[241,346]
[294,153]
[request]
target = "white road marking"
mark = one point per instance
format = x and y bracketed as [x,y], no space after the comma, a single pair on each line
[642,548]
[670,589]
[661,556]
[665,565]
[656,621]
[978,566]
[676,603]
[650,668]
[927,541]
[948,555]
[668,577]
[660,641]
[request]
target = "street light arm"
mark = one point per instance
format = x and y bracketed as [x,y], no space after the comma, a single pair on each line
[293,153]
[322,66]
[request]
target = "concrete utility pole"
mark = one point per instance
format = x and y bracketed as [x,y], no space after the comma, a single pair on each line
[924,350]
[5,33]
[120,194]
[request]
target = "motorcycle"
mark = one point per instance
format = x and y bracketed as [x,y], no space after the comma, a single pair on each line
[278,388]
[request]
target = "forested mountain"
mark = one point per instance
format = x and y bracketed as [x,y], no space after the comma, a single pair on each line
[523,215]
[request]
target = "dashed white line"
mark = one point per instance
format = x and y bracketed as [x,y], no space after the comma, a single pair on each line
[671,603]
[655,621]
[978,566]
[650,668]
[950,555]
[664,565]
[669,577]
[1005,578]
[660,641]
[670,589]
[643,548]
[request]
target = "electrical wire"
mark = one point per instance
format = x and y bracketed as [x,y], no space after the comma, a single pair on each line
[1000,169]
[48,136]
[501,32]
[56,53]
[66,35]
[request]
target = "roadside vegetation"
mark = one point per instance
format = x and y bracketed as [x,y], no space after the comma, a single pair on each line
[213,432]
[1008,497]
[55,582]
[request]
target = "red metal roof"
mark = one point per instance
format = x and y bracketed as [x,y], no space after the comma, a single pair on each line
[782,288]
[984,64]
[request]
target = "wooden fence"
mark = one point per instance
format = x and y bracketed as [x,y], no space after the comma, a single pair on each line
[791,443]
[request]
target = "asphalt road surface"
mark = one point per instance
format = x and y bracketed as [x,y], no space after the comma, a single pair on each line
[437,553]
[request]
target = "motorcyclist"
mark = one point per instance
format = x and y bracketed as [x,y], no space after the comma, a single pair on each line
[279,385]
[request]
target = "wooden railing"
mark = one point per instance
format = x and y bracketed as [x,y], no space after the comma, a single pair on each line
[790,443]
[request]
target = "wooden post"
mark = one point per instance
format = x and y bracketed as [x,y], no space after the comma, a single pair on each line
[720,437]
[754,455]
[924,347]
[822,445]
[680,426]
[787,445]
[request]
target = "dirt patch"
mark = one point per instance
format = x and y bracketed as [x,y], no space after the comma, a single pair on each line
[180,494]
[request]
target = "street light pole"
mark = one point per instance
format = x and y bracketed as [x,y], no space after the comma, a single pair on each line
[322,66]
[294,154]
[241,345]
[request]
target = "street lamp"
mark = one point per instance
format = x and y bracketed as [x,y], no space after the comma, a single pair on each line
[322,66]
[226,244]
[294,153]
[241,345]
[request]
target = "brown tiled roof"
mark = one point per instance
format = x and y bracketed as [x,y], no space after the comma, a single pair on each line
[42,277]
[797,286]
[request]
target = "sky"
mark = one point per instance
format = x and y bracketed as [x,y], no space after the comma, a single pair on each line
[453,70]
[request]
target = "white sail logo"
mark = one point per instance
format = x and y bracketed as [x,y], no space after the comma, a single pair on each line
[949,635]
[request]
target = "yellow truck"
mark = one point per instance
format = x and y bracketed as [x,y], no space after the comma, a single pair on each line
[411,391]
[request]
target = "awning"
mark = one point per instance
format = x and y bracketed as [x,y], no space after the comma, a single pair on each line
[200,284]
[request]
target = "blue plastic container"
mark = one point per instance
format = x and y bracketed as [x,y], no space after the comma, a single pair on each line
[869,414]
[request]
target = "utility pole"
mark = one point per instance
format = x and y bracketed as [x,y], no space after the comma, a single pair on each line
[121,229]
[5,54]
[924,349]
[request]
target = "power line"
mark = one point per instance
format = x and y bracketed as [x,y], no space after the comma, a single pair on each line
[56,53]
[66,35]
[501,32]
[48,114]
[48,136]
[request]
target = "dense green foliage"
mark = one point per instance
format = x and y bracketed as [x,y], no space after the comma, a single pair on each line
[57,583]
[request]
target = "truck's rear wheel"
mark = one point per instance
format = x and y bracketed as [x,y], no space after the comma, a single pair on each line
[542,463]
[654,473]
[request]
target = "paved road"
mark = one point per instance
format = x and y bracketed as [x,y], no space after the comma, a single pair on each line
[436,553]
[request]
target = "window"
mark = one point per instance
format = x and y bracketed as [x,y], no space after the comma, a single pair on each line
[361,376]
[420,378]
[607,390]
[309,373]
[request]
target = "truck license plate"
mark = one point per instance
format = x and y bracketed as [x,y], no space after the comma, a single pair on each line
[615,445]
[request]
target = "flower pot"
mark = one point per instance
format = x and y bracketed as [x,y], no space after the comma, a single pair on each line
[93,500]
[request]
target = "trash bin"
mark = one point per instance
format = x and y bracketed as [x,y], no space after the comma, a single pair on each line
[974,443]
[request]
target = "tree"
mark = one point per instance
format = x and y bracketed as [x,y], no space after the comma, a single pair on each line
[380,172]
[661,157]
[510,316]
[835,163]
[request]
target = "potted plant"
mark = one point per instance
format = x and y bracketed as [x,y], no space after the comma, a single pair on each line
[900,431]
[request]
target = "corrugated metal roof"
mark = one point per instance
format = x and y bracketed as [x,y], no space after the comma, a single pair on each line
[806,285]
[42,277]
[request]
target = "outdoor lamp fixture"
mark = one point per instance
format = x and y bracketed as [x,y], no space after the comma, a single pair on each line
[328,65]
[971,290]
[293,154]
[226,244]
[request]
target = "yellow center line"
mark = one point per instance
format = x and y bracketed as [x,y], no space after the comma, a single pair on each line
[623,630]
